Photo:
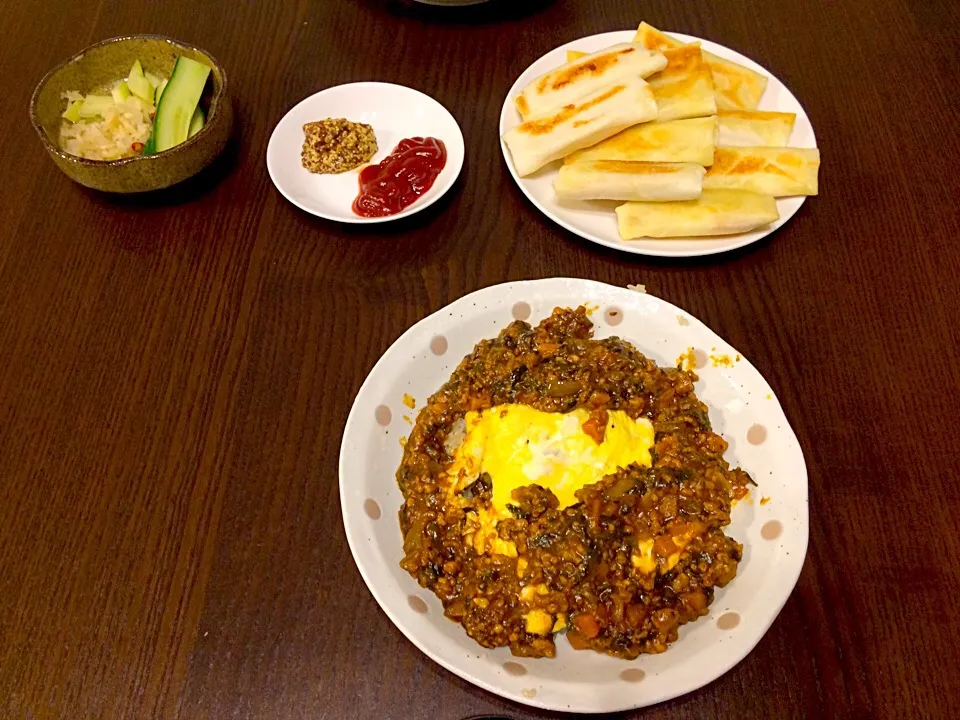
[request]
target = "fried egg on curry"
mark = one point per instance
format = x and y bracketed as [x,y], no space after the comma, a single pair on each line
[517,446]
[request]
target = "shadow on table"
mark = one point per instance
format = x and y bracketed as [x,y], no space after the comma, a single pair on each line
[190,190]
[491,11]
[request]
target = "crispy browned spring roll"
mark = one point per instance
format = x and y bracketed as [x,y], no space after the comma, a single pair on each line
[584,76]
[591,119]
[736,87]
[715,212]
[683,89]
[755,128]
[690,140]
[774,171]
[625,180]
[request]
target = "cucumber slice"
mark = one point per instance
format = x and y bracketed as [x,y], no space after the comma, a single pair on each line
[152,79]
[94,105]
[140,87]
[159,92]
[121,92]
[138,84]
[180,98]
[72,113]
[196,123]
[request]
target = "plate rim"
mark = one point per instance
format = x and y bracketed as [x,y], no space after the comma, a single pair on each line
[736,242]
[793,573]
[415,207]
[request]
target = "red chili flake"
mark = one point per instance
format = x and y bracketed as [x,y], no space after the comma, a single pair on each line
[153,115]
[137,146]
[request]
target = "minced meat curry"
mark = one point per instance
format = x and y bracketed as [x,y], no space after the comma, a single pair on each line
[624,558]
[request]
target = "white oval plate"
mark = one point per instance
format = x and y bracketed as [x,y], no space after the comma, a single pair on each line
[597,222]
[394,111]
[580,681]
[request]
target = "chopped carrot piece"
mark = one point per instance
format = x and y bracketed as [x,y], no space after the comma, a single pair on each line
[587,625]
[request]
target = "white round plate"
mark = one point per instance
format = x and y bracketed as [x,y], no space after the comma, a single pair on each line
[395,112]
[774,534]
[598,222]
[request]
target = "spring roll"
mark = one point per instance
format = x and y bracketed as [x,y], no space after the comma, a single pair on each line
[775,171]
[591,119]
[689,141]
[715,212]
[753,128]
[625,180]
[585,76]
[683,89]
[736,87]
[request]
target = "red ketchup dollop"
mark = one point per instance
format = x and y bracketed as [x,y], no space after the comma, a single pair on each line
[400,178]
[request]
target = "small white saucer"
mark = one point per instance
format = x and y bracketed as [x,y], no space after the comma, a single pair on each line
[395,112]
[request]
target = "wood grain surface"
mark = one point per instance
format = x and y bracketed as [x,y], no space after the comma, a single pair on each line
[176,369]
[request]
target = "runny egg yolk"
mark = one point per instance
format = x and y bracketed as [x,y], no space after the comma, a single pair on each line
[519,446]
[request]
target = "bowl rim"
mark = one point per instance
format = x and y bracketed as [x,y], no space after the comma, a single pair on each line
[53,148]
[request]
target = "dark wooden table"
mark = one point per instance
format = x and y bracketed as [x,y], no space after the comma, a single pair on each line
[176,369]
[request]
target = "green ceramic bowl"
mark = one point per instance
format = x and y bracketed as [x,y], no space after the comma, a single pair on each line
[104,63]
